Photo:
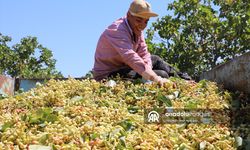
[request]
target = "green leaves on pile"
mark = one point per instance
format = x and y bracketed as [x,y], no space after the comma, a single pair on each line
[165,100]
[40,116]
[6,125]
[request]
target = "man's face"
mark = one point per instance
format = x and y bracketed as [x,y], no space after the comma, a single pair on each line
[137,24]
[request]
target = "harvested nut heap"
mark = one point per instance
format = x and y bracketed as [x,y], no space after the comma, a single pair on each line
[86,114]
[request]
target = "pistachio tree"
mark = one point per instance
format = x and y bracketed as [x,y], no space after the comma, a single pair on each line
[201,33]
[27,59]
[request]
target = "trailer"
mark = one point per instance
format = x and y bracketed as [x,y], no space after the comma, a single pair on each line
[233,75]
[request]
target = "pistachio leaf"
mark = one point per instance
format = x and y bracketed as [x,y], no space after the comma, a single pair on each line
[165,100]
[43,139]
[133,109]
[6,125]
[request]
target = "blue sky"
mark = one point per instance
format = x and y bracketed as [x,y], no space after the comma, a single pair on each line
[70,29]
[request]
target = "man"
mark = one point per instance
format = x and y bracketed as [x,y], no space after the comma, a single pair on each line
[121,48]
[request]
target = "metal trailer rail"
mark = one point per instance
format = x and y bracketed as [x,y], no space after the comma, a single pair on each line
[233,75]
[9,85]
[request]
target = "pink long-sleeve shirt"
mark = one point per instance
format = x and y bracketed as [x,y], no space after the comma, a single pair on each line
[117,49]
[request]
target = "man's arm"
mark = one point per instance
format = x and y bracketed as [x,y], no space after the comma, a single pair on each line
[123,45]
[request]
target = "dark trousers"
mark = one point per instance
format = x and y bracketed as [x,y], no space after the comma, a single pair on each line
[160,67]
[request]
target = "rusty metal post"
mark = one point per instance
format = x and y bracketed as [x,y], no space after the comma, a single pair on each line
[6,85]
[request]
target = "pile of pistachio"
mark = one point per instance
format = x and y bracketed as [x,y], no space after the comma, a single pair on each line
[86,114]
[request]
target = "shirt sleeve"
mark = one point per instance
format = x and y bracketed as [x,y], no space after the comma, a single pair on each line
[143,52]
[122,43]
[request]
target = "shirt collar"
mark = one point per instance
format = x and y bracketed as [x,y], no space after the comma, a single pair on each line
[130,30]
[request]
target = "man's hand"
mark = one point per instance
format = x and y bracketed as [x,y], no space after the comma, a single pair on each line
[165,82]
[192,82]
[151,75]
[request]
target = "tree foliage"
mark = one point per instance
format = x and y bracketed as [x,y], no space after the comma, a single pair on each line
[201,34]
[27,59]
